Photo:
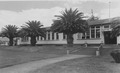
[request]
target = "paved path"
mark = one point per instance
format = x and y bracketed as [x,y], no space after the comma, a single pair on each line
[27,67]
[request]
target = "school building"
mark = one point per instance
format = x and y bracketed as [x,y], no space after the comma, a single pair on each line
[99,32]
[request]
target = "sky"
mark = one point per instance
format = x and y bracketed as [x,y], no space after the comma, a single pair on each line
[17,12]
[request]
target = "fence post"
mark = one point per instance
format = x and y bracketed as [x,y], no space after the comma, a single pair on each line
[98,52]
[86,44]
[68,52]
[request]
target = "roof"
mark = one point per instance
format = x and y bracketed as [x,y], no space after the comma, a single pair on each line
[97,22]
[103,21]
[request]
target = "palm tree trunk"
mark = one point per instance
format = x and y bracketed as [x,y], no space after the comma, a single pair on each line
[33,40]
[70,40]
[10,41]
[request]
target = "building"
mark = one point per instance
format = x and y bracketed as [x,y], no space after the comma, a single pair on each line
[4,41]
[99,33]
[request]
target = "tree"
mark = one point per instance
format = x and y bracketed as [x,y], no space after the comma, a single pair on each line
[32,30]
[69,23]
[9,31]
[115,24]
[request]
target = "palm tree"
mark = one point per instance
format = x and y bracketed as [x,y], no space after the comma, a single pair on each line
[115,25]
[32,30]
[9,31]
[69,23]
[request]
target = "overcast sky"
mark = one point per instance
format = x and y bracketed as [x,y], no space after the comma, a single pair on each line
[17,12]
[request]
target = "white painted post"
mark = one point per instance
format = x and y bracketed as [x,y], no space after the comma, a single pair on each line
[68,52]
[97,53]
[86,44]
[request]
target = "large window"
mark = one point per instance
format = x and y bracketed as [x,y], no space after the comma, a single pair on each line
[88,35]
[45,38]
[48,35]
[83,35]
[92,31]
[52,35]
[41,38]
[64,36]
[97,31]
[57,36]
[38,38]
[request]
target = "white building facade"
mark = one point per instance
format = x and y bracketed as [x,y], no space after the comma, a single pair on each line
[99,32]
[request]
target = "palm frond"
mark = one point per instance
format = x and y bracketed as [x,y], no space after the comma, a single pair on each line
[33,28]
[71,21]
[9,31]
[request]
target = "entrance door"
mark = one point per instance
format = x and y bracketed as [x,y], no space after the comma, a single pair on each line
[108,39]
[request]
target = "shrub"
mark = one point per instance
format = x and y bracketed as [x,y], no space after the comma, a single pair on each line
[116,55]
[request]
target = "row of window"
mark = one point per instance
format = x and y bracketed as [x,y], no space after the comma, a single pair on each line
[24,39]
[94,32]
[48,37]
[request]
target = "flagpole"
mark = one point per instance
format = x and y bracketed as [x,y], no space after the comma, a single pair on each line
[109,10]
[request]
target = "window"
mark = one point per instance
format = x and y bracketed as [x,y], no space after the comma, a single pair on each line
[88,35]
[64,36]
[79,35]
[52,36]
[24,39]
[38,38]
[97,31]
[48,35]
[106,26]
[57,36]
[45,38]
[92,33]
[83,35]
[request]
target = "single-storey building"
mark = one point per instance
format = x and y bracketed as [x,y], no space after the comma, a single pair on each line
[99,32]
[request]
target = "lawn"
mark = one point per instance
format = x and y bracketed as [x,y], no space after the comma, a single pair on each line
[101,64]
[21,54]
[12,55]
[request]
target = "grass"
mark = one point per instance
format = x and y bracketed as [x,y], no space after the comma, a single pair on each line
[101,64]
[21,54]
[12,55]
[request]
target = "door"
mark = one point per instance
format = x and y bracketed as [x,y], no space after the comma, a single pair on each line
[108,39]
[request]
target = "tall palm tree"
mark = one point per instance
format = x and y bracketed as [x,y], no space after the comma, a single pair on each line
[69,23]
[9,31]
[32,29]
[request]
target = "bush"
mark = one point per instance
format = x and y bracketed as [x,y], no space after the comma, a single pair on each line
[116,55]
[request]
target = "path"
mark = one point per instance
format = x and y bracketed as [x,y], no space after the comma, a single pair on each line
[27,67]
